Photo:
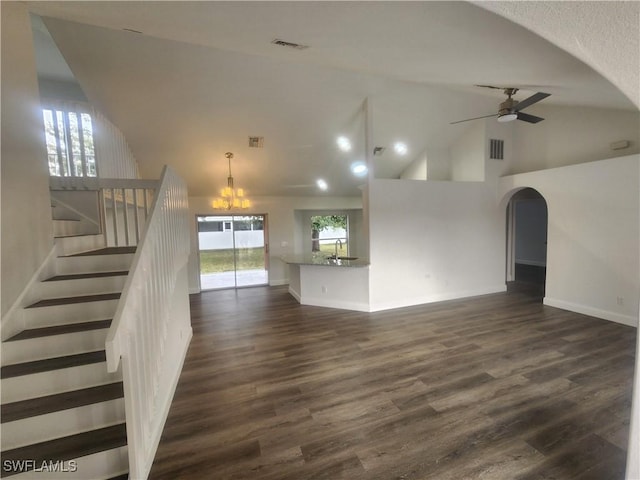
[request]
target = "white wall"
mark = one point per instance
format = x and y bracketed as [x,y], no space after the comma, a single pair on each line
[416,170]
[26,208]
[592,240]
[283,228]
[571,135]
[433,241]
[438,164]
[467,154]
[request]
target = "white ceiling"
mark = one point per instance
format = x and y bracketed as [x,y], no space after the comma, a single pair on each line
[203,76]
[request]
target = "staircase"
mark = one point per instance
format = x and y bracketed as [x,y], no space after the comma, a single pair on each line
[62,413]
[69,221]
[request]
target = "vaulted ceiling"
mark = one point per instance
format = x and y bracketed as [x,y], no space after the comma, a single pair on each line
[201,77]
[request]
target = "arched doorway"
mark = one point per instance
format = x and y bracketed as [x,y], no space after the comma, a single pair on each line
[527,220]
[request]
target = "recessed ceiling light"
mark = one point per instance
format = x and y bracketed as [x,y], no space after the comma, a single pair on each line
[344,144]
[400,148]
[322,185]
[359,169]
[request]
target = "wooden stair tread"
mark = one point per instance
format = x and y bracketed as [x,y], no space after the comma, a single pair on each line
[61,401]
[49,302]
[67,448]
[82,276]
[106,251]
[49,364]
[60,329]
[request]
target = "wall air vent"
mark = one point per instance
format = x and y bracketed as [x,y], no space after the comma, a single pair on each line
[284,43]
[496,149]
[256,142]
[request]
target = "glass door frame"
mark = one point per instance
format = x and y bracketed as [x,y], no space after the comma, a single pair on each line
[233,217]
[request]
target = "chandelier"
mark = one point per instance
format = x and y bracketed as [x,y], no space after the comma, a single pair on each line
[231,197]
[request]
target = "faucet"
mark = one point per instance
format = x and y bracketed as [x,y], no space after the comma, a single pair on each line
[337,242]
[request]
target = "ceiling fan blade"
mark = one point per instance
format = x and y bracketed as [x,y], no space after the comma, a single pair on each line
[476,118]
[525,117]
[536,97]
[490,86]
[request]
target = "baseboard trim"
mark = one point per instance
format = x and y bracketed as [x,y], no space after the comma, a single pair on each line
[295,295]
[440,297]
[278,282]
[628,320]
[317,302]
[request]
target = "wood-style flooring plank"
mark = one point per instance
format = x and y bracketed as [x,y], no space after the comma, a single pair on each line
[497,386]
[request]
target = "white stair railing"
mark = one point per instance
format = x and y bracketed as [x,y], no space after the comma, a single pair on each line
[125,209]
[151,329]
[124,205]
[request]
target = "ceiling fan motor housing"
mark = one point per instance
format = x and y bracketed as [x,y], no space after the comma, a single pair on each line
[507,106]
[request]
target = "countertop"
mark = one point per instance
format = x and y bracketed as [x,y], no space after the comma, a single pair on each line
[322,261]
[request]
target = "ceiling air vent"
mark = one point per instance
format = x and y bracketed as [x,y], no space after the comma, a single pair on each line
[283,43]
[256,142]
[496,149]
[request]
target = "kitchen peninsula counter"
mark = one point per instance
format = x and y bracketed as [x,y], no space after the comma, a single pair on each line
[324,282]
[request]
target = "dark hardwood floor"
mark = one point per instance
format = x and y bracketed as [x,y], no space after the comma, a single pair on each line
[497,387]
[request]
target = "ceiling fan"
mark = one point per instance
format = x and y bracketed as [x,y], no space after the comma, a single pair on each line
[511,109]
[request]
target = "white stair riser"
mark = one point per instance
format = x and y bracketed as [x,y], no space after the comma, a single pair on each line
[57,381]
[93,263]
[99,466]
[61,424]
[71,245]
[70,313]
[84,286]
[66,228]
[20,351]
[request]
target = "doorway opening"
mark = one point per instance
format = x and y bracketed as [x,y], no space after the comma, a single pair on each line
[233,251]
[527,222]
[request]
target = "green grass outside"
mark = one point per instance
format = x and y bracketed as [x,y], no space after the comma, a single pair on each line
[330,249]
[215,261]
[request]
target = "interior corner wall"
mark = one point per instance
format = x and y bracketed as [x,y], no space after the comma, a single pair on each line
[27,235]
[468,154]
[283,223]
[593,235]
[433,241]
[416,170]
[438,164]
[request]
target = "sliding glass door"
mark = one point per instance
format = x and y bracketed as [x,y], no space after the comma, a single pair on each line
[233,251]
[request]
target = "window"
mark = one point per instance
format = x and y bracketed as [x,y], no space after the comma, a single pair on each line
[69,140]
[329,231]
